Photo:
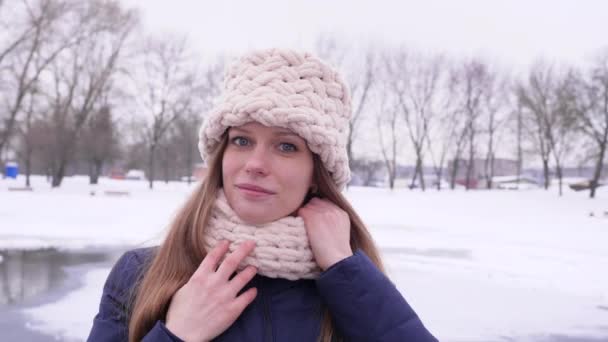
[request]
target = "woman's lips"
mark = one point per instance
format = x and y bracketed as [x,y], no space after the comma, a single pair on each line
[254,192]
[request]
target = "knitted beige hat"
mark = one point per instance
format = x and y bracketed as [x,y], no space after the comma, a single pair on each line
[291,90]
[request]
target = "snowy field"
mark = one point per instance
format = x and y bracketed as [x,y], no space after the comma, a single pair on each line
[476,266]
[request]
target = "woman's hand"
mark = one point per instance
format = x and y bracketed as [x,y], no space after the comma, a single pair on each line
[328,229]
[208,304]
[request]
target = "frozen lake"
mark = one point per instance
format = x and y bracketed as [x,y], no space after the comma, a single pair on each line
[33,278]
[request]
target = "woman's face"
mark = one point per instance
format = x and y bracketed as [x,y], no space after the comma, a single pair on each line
[266,171]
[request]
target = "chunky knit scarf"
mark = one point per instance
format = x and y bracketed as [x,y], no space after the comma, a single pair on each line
[282,248]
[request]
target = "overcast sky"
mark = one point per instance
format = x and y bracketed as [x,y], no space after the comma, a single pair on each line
[512,32]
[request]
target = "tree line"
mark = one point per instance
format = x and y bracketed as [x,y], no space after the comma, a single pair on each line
[448,112]
[83,86]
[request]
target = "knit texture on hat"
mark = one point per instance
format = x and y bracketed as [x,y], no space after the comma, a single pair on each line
[282,248]
[291,90]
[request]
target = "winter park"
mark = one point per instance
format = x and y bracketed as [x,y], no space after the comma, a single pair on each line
[476,150]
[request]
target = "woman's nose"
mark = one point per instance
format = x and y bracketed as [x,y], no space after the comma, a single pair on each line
[257,161]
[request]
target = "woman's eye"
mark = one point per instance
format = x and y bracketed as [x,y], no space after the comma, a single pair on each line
[240,141]
[287,147]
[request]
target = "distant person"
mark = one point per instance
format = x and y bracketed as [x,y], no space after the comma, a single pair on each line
[266,248]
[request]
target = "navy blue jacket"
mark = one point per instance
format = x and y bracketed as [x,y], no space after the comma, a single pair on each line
[364,304]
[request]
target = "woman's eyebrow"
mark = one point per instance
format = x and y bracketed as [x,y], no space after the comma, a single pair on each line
[289,133]
[239,129]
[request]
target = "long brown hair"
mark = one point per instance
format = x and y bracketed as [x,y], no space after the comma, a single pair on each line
[183,250]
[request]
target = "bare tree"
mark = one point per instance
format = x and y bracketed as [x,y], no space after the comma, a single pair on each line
[442,136]
[564,127]
[41,42]
[471,80]
[415,81]
[591,94]
[192,118]
[186,136]
[513,125]
[13,32]
[168,148]
[361,88]
[533,130]
[82,75]
[542,98]
[185,133]
[387,125]
[28,136]
[37,142]
[99,141]
[360,70]
[535,99]
[458,123]
[519,135]
[167,83]
[495,105]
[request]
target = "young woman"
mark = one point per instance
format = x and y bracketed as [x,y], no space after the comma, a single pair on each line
[266,248]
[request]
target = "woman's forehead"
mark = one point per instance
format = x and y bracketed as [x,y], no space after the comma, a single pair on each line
[256,127]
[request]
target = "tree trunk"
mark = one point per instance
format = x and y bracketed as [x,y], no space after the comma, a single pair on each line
[414,176]
[470,164]
[598,170]
[489,169]
[28,165]
[558,171]
[151,166]
[58,174]
[95,168]
[519,148]
[439,178]
[9,124]
[420,173]
[391,181]
[491,172]
[546,173]
[166,169]
[455,166]
[92,179]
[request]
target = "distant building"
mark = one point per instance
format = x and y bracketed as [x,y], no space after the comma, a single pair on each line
[580,172]
[135,175]
[502,167]
[116,173]
[514,182]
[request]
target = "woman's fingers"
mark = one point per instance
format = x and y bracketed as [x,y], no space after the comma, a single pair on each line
[232,261]
[241,302]
[206,305]
[212,259]
[241,279]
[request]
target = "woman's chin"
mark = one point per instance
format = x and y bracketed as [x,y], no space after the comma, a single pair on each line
[258,213]
[255,218]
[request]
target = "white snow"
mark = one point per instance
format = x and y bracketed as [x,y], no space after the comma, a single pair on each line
[476,266]
[71,317]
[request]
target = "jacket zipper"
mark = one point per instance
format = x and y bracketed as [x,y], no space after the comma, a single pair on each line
[267,322]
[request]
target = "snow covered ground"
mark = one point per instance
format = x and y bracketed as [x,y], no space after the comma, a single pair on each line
[476,266]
